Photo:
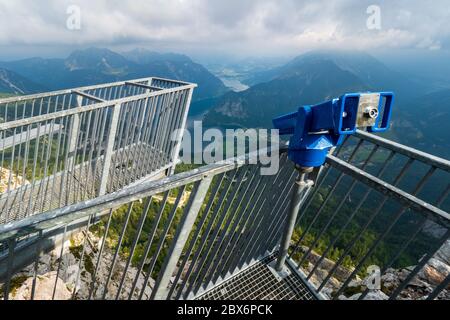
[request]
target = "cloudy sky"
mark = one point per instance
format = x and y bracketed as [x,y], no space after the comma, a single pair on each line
[246,27]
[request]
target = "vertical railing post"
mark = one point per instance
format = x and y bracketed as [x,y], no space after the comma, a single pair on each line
[184,228]
[11,248]
[176,149]
[109,149]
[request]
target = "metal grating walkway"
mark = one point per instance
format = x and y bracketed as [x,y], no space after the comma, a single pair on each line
[258,283]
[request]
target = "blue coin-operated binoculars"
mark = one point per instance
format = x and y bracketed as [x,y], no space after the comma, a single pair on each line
[315,131]
[318,128]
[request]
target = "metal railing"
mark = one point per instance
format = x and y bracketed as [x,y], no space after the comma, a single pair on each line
[375,202]
[67,146]
[169,238]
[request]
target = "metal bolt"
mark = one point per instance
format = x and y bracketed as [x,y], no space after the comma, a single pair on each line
[371,112]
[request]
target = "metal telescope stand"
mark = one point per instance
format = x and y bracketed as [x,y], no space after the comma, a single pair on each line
[299,191]
[315,130]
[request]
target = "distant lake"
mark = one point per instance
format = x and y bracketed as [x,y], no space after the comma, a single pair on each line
[234,84]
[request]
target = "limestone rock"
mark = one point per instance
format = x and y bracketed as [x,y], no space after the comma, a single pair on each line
[371,295]
[45,285]
[431,275]
[10,181]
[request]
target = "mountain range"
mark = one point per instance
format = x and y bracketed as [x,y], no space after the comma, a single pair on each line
[96,65]
[305,83]
[367,68]
[13,83]
[419,110]
[423,123]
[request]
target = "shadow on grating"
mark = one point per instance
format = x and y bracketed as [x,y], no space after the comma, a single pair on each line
[259,283]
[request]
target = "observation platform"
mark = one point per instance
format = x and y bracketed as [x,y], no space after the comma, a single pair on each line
[67,146]
[107,223]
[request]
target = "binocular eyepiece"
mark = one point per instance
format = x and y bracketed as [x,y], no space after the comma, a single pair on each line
[371,112]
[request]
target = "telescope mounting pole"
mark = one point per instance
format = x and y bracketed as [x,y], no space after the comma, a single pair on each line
[301,186]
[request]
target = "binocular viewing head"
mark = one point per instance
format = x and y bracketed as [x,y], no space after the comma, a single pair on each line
[318,128]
